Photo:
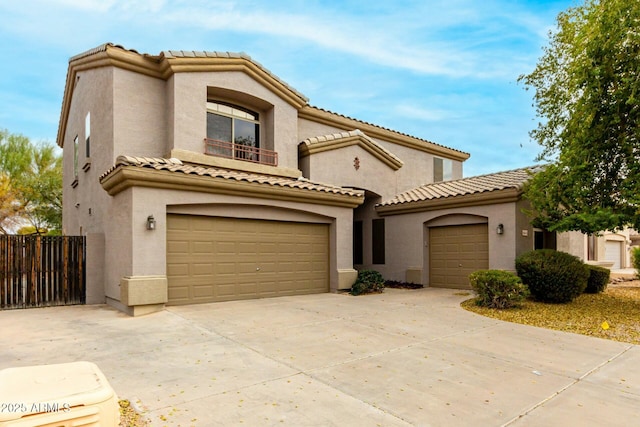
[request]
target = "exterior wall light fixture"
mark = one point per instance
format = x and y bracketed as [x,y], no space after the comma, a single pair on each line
[500,229]
[151,223]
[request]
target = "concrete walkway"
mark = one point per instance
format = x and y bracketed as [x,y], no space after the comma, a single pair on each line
[405,357]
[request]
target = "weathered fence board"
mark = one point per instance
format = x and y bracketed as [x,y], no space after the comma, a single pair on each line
[37,271]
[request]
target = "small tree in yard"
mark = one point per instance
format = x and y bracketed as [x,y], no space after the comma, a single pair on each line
[587,93]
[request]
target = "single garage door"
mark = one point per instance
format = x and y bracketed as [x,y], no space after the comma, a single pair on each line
[455,252]
[613,252]
[212,259]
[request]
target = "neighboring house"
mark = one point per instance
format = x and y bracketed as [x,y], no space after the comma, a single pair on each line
[202,177]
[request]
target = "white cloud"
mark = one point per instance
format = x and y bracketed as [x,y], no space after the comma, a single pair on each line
[452,38]
[401,40]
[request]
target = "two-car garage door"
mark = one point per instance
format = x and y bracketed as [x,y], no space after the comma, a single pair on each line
[212,259]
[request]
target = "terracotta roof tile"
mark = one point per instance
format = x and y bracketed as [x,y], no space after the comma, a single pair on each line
[386,129]
[460,187]
[237,55]
[177,166]
[343,135]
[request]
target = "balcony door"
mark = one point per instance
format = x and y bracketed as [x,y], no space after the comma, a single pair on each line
[235,131]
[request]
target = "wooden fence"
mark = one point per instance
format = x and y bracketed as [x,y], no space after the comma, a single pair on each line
[38,271]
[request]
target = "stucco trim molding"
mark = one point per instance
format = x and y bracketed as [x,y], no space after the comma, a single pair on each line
[219,162]
[124,177]
[508,195]
[318,115]
[171,66]
[165,65]
[321,144]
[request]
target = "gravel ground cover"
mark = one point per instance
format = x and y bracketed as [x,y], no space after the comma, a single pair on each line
[613,314]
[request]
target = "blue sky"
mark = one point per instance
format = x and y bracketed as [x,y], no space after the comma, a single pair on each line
[442,70]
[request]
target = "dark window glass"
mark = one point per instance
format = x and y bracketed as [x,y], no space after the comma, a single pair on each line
[544,240]
[378,243]
[357,242]
[219,127]
[245,133]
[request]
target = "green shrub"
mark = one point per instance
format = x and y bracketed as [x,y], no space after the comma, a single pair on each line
[368,281]
[498,288]
[552,276]
[598,279]
[635,259]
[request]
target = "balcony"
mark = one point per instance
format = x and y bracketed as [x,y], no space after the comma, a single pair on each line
[246,153]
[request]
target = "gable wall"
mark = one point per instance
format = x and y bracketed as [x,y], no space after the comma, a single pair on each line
[337,167]
[189,112]
[416,171]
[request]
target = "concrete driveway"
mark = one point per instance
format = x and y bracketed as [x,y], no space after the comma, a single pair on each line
[405,357]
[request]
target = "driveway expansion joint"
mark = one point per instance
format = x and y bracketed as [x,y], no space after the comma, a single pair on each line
[568,386]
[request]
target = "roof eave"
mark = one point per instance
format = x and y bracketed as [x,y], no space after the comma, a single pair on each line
[162,67]
[124,177]
[346,123]
[507,195]
[307,149]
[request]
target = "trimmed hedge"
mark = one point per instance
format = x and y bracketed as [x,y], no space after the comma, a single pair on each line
[552,276]
[635,259]
[498,288]
[598,279]
[368,281]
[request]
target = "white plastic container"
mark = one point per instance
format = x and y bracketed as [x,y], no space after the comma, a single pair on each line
[63,395]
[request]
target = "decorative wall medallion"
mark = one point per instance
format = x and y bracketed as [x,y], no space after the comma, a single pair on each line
[356,163]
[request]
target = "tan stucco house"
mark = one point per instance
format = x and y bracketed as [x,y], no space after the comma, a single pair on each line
[203,177]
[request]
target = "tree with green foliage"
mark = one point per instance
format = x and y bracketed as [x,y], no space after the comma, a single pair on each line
[587,89]
[30,184]
[9,206]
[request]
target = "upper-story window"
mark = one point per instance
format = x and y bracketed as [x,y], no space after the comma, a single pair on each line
[75,156]
[87,135]
[233,132]
[231,123]
[442,169]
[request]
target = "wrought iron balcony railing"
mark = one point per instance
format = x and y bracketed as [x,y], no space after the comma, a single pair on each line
[247,153]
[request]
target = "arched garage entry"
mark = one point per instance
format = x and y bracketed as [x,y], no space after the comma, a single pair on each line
[456,246]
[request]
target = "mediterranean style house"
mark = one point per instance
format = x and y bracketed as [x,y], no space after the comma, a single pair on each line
[203,177]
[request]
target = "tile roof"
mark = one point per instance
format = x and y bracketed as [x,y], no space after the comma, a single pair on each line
[174,54]
[319,140]
[514,179]
[177,166]
[387,129]
[334,136]
[238,55]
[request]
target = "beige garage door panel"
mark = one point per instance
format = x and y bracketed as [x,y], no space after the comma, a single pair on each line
[213,259]
[455,252]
